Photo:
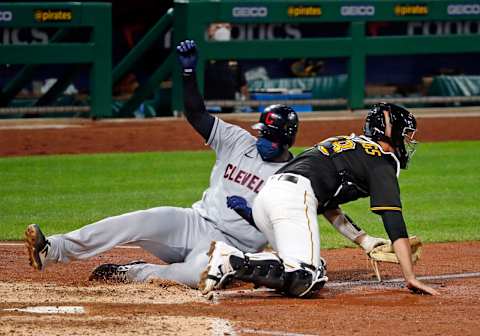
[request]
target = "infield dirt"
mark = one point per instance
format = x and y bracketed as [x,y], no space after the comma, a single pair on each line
[343,307]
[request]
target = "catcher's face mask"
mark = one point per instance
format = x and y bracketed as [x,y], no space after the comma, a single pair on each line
[400,128]
[409,144]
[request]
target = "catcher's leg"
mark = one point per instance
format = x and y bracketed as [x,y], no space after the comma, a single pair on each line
[261,269]
[225,261]
[286,208]
[305,280]
[268,270]
[167,232]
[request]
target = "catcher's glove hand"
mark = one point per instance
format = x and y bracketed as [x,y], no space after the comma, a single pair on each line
[385,253]
[370,242]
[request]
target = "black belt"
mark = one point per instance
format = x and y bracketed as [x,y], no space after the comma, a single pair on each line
[289,178]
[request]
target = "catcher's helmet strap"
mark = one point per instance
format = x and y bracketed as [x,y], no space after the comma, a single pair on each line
[393,156]
[384,138]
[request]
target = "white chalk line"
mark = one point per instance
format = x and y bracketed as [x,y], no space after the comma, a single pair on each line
[26,127]
[270,332]
[221,327]
[371,283]
[49,310]
[401,280]
[22,244]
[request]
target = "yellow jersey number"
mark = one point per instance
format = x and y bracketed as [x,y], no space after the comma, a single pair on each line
[336,145]
[341,144]
[371,149]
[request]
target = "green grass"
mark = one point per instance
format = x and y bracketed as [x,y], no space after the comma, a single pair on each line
[440,192]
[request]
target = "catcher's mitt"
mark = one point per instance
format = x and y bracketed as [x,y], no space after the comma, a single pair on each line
[385,253]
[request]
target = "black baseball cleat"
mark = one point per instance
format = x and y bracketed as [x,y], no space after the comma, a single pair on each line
[37,246]
[113,272]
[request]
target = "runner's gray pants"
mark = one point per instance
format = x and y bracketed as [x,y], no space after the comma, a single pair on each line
[177,236]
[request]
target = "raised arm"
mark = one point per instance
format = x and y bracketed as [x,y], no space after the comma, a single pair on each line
[195,110]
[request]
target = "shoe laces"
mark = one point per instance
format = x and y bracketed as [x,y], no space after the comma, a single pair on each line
[117,274]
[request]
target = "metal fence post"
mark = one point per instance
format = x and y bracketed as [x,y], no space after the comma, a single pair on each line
[356,66]
[101,72]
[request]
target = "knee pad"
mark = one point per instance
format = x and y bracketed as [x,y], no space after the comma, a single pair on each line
[261,269]
[305,281]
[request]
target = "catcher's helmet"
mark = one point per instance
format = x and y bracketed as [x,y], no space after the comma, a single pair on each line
[403,126]
[278,123]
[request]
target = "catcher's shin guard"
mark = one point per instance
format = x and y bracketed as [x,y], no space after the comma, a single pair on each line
[306,280]
[261,269]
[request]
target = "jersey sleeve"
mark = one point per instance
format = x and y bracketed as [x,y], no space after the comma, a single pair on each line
[225,137]
[195,111]
[384,188]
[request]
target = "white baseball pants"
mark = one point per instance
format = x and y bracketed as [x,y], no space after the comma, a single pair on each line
[285,210]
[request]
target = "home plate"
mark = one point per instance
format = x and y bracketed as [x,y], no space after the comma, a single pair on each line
[50,310]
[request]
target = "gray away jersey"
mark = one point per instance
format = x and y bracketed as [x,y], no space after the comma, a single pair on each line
[238,170]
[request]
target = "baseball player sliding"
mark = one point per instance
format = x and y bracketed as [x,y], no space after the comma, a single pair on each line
[178,236]
[335,171]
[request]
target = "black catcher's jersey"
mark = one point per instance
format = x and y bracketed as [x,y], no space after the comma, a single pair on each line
[344,168]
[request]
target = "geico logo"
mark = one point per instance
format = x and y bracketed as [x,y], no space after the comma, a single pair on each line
[444,28]
[249,11]
[357,10]
[463,9]
[6,16]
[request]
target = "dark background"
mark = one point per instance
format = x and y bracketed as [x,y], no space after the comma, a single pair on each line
[133,18]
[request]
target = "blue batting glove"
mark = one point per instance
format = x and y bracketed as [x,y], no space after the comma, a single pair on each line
[240,206]
[236,203]
[187,56]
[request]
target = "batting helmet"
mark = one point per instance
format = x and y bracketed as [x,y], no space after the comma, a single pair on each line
[403,126]
[278,123]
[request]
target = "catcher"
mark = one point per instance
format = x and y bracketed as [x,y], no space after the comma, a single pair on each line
[337,170]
